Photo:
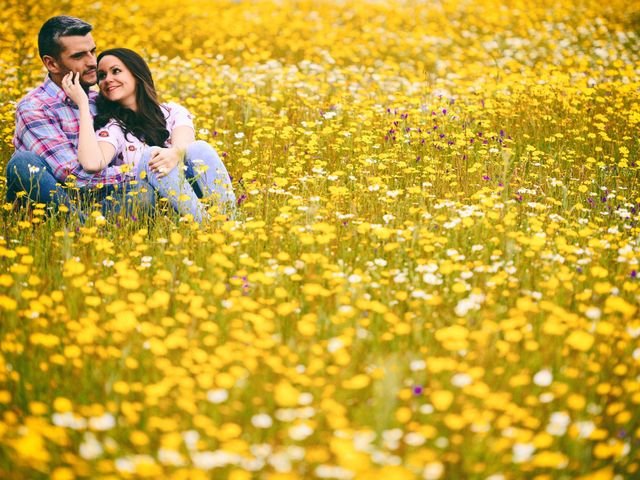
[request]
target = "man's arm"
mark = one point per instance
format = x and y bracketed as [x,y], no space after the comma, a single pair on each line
[40,132]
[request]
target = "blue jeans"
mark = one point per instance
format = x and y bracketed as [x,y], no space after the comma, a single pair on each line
[204,176]
[29,173]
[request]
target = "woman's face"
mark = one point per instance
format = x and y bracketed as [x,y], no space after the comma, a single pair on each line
[116,82]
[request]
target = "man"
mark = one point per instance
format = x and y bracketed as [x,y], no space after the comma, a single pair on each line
[47,127]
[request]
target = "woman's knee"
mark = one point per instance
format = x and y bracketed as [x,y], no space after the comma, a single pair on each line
[200,148]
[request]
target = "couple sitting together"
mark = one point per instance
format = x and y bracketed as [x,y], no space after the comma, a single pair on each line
[122,139]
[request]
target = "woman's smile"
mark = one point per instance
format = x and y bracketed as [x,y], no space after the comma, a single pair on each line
[116,82]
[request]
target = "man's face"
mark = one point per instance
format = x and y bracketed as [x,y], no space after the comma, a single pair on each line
[78,55]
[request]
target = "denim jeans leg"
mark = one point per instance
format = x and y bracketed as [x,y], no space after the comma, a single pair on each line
[210,174]
[174,187]
[27,172]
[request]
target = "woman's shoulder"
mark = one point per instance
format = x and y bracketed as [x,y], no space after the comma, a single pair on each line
[111,125]
[170,105]
[177,115]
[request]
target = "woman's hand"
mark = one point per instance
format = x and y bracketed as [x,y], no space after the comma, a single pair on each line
[163,160]
[73,89]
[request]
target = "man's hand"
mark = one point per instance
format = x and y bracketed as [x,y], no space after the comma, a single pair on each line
[163,160]
[73,89]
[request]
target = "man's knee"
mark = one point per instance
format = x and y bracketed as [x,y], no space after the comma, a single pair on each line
[23,164]
[27,172]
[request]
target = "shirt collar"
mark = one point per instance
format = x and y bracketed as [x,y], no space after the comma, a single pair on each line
[54,91]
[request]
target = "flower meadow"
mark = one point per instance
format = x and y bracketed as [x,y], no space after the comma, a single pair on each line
[432,271]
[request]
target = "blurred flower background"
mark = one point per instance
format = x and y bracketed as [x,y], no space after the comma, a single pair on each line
[433,272]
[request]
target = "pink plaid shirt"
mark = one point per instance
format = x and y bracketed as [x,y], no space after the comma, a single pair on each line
[48,124]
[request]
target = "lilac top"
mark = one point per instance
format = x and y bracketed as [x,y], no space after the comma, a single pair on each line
[129,149]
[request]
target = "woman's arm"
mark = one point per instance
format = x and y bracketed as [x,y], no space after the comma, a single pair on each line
[163,160]
[182,136]
[92,155]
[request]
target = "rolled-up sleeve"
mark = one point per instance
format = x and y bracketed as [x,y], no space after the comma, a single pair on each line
[178,116]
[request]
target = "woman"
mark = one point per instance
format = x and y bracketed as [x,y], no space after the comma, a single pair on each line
[133,128]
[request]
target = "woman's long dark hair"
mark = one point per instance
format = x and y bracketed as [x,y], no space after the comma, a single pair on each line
[148,123]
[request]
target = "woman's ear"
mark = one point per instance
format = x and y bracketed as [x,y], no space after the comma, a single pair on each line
[51,64]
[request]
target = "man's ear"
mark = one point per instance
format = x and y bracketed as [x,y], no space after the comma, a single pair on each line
[51,64]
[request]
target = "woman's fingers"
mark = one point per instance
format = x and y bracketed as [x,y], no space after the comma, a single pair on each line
[158,166]
[161,162]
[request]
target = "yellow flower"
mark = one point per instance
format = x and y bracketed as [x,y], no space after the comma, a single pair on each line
[454,421]
[73,267]
[124,321]
[550,460]
[606,473]
[31,447]
[62,405]
[580,340]
[315,289]
[7,303]
[72,351]
[357,382]
[453,337]
[285,394]
[62,473]
[282,476]
[139,438]
[240,475]
[175,238]
[576,401]
[403,414]
[618,304]
[286,308]
[393,473]
[225,380]
[441,399]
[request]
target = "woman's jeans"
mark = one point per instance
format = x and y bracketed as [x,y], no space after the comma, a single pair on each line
[203,176]
[29,173]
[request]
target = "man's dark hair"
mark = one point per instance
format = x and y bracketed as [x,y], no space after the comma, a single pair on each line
[56,27]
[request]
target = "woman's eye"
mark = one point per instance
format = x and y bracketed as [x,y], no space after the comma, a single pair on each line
[116,71]
[101,76]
